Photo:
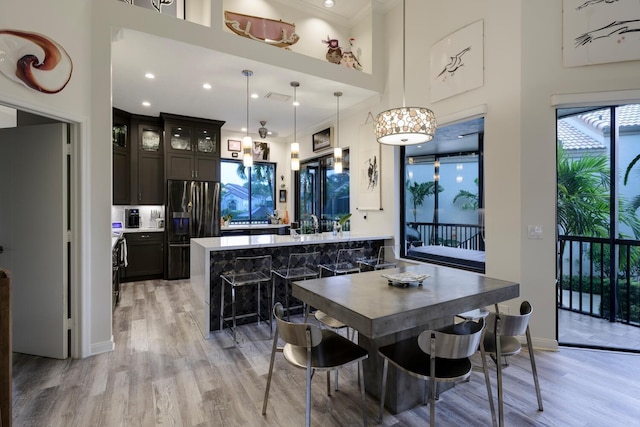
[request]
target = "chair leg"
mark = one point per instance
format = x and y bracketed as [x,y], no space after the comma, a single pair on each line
[286,299]
[233,312]
[258,306]
[270,304]
[383,388]
[499,374]
[534,371]
[273,356]
[485,369]
[307,417]
[364,397]
[336,384]
[328,383]
[222,306]
[432,385]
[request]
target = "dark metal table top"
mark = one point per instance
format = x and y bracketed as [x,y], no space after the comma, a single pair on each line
[369,304]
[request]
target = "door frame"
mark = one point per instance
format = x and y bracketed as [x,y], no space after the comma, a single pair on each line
[79,273]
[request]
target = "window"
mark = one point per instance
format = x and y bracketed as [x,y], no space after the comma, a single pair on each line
[598,197]
[247,193]
[443,197]
[322,192]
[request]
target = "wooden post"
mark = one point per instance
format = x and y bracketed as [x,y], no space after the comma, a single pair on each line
[5,349]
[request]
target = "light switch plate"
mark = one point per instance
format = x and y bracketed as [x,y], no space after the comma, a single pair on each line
[534,231]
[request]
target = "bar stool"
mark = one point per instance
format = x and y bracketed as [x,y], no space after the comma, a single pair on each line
[347,261]
[247,271]
[301,266]
[386,259]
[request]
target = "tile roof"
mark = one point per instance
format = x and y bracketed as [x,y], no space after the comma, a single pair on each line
[628,115]
[574,139]
[598,121]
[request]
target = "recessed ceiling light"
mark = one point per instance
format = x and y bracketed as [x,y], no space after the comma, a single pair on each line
[254,95]
[146,103]
[328,3]
[206,86]
[296,103]
[243,130]
[150,76]
[269,133]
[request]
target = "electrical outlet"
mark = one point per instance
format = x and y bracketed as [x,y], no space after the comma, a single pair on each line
[534,231]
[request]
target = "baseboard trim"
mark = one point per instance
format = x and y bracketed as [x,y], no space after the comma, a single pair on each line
[102,347]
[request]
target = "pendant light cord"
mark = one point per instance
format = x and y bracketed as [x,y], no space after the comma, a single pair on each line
[404,65]
[247,74]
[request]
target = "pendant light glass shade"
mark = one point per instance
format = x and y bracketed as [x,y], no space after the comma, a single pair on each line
[337,151]
[337,160]
[295,156]
[295,146]
[247,142]
[405,125]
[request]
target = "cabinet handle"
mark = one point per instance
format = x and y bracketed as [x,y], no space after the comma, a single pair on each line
[196,173]
[144,236]
[139,196]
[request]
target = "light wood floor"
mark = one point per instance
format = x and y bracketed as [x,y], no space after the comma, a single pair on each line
[163,373]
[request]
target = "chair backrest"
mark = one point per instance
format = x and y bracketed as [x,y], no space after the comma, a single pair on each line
[301,260]
[454,341]
[511,325]
[295,333]
[252,264]
[387,254]
[350,255]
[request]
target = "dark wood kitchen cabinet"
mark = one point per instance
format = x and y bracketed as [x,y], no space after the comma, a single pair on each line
[145,256]
[121,150]
[192,148]
[147,162]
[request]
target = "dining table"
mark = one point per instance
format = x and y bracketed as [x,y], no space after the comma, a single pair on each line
[387,306]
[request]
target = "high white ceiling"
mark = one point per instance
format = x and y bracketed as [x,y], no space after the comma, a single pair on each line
[180,71]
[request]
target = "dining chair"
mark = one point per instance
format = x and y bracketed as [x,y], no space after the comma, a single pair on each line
[386,258]
[247,271]
[314,349]
[301,266]
[508,327]
[347,262]
[437,356]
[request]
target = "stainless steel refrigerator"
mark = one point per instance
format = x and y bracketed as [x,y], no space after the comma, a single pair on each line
[193,210]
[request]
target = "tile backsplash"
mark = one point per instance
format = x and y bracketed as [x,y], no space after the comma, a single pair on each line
[146,212]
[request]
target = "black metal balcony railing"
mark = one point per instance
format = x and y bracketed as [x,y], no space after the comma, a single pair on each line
[589,282]
[465,236]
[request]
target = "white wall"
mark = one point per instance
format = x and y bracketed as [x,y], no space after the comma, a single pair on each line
[523,69]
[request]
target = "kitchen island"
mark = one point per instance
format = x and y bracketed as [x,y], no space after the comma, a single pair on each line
[210,256]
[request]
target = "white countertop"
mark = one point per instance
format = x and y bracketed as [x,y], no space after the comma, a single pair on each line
[252,226]
[273,240]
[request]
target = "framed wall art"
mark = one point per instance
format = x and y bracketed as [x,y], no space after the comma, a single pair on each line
[368,170]
[457,62]
[323,139]
[282,196]
[599,32]
[234,145]
[261,151]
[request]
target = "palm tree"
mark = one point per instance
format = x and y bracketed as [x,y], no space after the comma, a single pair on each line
[471,202]
[419,191]
[634,203]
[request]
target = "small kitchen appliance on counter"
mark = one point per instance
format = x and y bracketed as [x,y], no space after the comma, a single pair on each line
[132,218]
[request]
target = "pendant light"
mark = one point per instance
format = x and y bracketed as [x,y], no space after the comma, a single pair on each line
[405,125]
[247,142]
[337,151]
[295,146]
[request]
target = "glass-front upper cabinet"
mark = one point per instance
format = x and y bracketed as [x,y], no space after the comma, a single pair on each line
[150,139]
[180,138]
[206,141]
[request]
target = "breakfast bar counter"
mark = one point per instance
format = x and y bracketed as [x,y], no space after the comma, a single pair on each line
[210,256]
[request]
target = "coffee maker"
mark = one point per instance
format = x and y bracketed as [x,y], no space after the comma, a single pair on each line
[132,218]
